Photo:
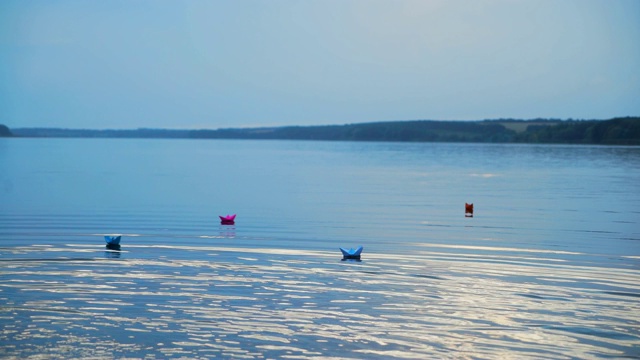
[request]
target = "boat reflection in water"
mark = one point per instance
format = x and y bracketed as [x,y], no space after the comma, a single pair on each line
[115,247]
[112,254]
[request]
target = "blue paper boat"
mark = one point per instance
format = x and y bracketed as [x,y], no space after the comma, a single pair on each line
[351,254]
[112,240]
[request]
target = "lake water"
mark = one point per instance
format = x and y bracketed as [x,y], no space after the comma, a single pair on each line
[549,266]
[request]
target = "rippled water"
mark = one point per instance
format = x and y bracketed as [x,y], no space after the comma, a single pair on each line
[549,267]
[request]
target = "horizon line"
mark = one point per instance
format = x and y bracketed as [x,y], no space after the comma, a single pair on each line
[317,125]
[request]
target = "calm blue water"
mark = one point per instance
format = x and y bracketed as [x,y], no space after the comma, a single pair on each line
[549,266]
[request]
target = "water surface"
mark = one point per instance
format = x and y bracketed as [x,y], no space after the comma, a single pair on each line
[549,266]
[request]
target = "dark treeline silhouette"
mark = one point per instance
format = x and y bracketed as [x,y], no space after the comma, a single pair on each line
[618,131]
[416,131]
[4,131]
[90,133]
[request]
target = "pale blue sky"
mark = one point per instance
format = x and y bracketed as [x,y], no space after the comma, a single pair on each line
[212,64]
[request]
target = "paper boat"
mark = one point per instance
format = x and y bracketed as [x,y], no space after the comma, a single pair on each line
[112,240]
[468,210]
[227,220]
[351,254]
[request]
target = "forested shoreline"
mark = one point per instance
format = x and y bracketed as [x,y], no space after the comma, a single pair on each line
[4,131]
[617,131]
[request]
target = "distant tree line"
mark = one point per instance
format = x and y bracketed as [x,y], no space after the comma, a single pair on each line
[90,133]
[4,131]
[414,131]
[618,131]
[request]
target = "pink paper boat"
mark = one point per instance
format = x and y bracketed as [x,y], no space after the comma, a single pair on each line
[227,220]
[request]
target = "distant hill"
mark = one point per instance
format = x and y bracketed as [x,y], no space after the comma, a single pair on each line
[618,131]
[4,131]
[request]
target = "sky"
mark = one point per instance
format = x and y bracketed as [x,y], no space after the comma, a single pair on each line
[188,64]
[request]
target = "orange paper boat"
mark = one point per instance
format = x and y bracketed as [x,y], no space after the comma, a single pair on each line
[468,210]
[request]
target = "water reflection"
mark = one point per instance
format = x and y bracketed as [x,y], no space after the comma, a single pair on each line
[112,254]
[550,270]
[115,247]
[113,251]
[206,301]
[228,231]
